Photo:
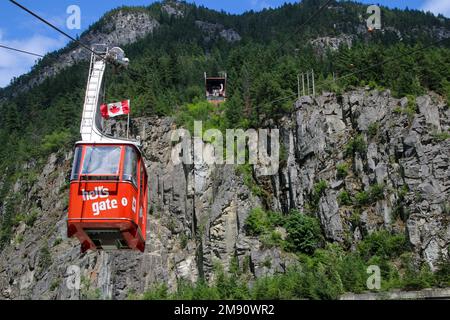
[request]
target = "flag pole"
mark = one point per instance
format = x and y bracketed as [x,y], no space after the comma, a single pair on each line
[128,125]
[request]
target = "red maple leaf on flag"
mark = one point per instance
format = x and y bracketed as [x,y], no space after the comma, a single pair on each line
[114,109]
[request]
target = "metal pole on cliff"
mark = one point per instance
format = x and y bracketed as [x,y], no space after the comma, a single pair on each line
[298,86]
[128,125]
[307,80]
[303,84]
[313,84]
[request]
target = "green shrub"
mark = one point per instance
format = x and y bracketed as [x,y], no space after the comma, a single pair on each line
[390,277]
[260,221]
[132,295]
[409,110]
[19,239]
[304,233]
[55,284]
[320,187]
[199,291]
[445,91]
[157,292]
[311,280]
[376,192]
[412,105]
[355,218]
[373,129]
[322,272]
[29,219]
[356,145]
[318,191]
[417,275]
[57,242]
[7,220]
[56,141]
[272,239]
[199,110]
[255,223]
[383,244]
[362,198]
[328,283]
[344,198]
[246,171]
[341,170]
[277,287]
[352,271]
[443,273]
[45,259]
[439,137]
[183,240]
[397,110]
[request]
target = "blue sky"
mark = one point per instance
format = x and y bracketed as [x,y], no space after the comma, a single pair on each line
[20,30]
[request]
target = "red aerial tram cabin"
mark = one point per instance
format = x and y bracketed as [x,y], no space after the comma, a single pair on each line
[108,196]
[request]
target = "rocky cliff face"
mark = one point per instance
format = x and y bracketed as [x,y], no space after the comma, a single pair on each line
[407,153]
[197,212]
[322,44]
[215,30]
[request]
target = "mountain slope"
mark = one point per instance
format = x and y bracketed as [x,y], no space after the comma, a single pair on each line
[199,214]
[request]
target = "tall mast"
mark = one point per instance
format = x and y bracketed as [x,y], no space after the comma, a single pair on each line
[91,128]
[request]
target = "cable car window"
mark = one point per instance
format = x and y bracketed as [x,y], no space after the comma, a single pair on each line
[101,161]
[130,165]
[76,164]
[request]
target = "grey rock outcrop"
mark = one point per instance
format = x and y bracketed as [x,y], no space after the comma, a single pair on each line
[402,153]
[121,28]
[214,30]
[197,213]
[322,44]
[173,8]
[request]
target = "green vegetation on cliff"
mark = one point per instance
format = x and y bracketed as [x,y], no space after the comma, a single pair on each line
[325,273]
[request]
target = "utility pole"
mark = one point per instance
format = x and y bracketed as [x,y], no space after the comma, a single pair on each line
[307,80]
[313,84]
[128,125]
[310,83]
[303,83]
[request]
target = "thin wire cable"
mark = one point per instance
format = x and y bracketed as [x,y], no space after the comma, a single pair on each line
[131,72]
[389,60]
[21,51]
[304,24]
[281,46]
[364,69]
[56,28]
[296,32]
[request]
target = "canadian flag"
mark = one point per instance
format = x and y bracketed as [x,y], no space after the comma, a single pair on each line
[115,109]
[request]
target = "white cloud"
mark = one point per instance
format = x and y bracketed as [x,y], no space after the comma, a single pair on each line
[14,64]
[260,4]
[437,6]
